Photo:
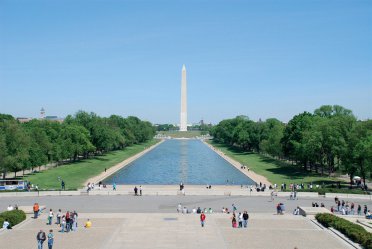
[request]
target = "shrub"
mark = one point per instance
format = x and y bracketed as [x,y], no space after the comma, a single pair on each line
[353,231]
[1,222]
[14,217]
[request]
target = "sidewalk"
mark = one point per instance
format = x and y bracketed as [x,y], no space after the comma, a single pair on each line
[255,177]
[172,230]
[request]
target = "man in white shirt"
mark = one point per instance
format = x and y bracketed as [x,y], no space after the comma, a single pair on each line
[6,225]
[10,208]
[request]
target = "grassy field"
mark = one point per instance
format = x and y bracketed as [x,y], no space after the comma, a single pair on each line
[75,174]
[180,134]
[274,170]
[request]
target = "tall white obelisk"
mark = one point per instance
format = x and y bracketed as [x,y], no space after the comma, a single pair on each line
[183,121]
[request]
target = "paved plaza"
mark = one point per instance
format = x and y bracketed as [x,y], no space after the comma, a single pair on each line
[164,204]
[172,230]
[152,222]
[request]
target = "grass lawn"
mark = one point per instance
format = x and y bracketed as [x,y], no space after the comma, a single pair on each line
[75,174]
[274,170]
[181,134]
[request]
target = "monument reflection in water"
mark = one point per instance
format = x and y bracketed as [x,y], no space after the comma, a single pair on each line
[175,161]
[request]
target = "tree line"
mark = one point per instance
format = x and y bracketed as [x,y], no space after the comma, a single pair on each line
[330,139]
[38,142]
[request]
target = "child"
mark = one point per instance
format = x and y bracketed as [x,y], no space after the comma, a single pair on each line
[50,239]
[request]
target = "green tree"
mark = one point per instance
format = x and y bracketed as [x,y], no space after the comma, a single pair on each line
[16,147]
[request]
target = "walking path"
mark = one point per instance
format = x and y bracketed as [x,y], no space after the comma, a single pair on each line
[172,230]
[255,177]
[120,165]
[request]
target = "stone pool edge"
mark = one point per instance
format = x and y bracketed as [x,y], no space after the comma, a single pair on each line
[255,177]
[121,165]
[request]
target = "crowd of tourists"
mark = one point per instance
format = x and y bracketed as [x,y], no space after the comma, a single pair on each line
[350,208]
[238,219]
[65,223]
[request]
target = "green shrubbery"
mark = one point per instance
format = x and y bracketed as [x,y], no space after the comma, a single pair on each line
[14,217]
[323,191]
[353,231]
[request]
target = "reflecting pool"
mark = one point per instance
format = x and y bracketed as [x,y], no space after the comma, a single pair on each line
[175,161]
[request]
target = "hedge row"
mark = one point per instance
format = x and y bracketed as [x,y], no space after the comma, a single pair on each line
[353,231]
[14,217]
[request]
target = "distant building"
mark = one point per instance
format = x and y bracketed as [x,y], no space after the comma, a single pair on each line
[24,120]
[54,118]
[42,113]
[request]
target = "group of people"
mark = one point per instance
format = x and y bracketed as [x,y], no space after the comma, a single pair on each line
[138,191]
[66,222]
[185,210]
[350,208]
[6,224]
[315,204]
[12,207]
[41,237]
[92,186]
[238,219]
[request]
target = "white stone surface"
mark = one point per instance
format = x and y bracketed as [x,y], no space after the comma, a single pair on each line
[183,115]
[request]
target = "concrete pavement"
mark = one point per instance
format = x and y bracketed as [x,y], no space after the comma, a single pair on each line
[172,230]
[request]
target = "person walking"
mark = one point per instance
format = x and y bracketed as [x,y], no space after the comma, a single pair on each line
[202,219]
[140,189]
[63,185]
[50,239]
[245,219]
[40,237]
[114,187]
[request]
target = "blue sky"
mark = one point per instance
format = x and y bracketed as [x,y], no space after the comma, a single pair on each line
[257,58]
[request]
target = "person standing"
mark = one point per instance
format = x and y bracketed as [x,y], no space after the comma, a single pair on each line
[202,219]
[140,189]
[135,190]
[59,215]
[240,218]
[36,210]
[50,217]
[234,208]
[63,185]
[40,237]
[114,187]
[233,221]
[68,221]
[50,239]
[74,221]
[63,224]
[245,219]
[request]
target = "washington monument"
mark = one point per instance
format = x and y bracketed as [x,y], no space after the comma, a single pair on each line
[183,121]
